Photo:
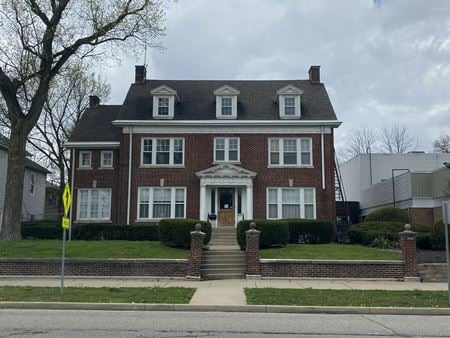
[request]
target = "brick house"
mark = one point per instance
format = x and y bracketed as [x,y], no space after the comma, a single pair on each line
[233,149]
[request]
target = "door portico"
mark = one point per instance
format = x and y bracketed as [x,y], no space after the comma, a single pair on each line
[220,182]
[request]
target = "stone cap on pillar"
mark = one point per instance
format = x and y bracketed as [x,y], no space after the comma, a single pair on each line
[198,230]
[407,231]
[252,229]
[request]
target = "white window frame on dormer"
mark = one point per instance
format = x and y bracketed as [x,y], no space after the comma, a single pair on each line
[289,92]
[226,92]
[164,92]
[227,149]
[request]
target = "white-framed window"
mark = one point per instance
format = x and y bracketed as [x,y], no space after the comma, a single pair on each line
[163,105]
[106,159]
[85,159]
[291,203]
[290,151]
[161,202]
[162,151]
[226,149]
[164,99]
[32,182]
[94,204]
[289,105]
[226,105]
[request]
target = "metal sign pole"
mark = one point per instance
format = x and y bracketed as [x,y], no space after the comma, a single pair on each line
[65,223]
[445,209]
[62,261]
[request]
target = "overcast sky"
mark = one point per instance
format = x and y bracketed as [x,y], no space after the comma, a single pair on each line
[382,62]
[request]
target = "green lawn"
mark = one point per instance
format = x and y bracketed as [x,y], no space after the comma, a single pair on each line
[315,297]
[330,251]
[97,295]
[88,249]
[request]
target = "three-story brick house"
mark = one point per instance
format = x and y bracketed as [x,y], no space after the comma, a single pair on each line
[234,149]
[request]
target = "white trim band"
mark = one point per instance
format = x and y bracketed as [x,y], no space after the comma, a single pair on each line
[209,123]
[102,144]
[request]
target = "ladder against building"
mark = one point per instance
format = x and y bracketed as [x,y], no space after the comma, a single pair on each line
[343,219]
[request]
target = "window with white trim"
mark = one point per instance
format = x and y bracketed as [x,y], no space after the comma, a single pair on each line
[32,184]
[163,106]
[85,159]
[106,159]
[162,151]
[226,149]
[289,105]
[161,202]
[226,105]
[291,203]
[290,152]
[94,204]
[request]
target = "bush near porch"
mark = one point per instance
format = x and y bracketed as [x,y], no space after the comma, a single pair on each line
[273,232]
[176,232]
[309,231]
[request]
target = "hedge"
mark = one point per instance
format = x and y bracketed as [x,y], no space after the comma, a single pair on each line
[273,232]
[388,215]
[101,231]
[309,231]
[41,230]
[176,232]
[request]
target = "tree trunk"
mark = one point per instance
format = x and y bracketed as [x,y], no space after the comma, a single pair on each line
[61,186]
[11,228]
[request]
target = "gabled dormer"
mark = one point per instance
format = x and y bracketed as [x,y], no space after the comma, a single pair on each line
[289,99]
[226,102]
[164,99]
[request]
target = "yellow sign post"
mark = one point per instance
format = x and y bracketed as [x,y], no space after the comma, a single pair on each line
[67,202]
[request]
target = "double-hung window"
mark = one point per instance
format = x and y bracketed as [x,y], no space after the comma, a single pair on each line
[32,184]
[290,152]
[85,159]
[291,203]
[226,105]
[106,159]
[163,106]
[226,150]
[162,151]
[289,106]
[161,202]
[94,204]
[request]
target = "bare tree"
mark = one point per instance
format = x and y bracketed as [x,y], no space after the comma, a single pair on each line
[396,139]
[442,144]
[37,40]
[68,98]
[362,140]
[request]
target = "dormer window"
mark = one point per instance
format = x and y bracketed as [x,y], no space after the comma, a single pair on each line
[226,102]
[288,99]
[164,99]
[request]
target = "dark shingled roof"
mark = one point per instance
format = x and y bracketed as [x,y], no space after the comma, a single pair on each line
[255,102]
[95,125]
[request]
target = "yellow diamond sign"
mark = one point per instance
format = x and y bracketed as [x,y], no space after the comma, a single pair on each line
[67,199]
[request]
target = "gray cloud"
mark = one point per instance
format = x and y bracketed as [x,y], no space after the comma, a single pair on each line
[383,62]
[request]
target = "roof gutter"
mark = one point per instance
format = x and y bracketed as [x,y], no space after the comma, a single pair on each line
[102,144]
[225,123]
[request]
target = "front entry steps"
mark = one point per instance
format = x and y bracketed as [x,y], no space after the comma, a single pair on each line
[224,259]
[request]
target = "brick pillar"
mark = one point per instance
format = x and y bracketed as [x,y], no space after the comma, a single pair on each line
[195,254]
[408,247]
[252,251]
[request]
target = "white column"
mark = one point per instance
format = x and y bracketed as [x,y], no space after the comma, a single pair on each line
[249,213]
[202,215]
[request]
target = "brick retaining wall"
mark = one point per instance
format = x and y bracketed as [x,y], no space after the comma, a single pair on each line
[331,268]
[95,267]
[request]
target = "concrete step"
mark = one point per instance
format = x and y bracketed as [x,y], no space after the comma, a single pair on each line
[236,253]
[213,271]
[224,276]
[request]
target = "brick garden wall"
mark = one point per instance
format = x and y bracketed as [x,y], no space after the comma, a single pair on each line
[332,269]
[95,267]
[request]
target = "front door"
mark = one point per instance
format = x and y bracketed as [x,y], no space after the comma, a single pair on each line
[226,206]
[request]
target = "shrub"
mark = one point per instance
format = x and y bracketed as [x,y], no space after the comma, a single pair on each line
[273,232]
[41,230]
[365,233]
[100,231]
[388,215]
[383,243]
[309,231]
[176,232]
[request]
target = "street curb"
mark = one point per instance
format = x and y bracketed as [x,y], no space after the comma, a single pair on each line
[226,308]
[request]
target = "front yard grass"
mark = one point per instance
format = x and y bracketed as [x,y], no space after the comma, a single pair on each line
[88,249]
[329,251]
[358,298]
[97,295]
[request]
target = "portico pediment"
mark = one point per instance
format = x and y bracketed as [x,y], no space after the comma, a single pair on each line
[226,170]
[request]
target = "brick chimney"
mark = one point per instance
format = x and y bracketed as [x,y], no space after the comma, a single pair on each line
[140,74]
[94,101]
[314,74]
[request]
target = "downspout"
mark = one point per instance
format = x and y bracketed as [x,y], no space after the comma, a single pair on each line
[130,156]
[322,150]
[71,193]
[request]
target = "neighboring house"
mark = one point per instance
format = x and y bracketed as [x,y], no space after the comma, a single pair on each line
[33,188]
[198,149]
[367,179]
[51,198]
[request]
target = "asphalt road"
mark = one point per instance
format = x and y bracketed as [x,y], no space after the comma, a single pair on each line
[71,323]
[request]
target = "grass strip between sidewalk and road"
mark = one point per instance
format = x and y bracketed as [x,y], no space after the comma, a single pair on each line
[329,251]
[172,295]
[357,298]
[89,249]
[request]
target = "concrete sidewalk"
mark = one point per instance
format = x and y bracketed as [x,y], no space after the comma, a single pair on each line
[222,292]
